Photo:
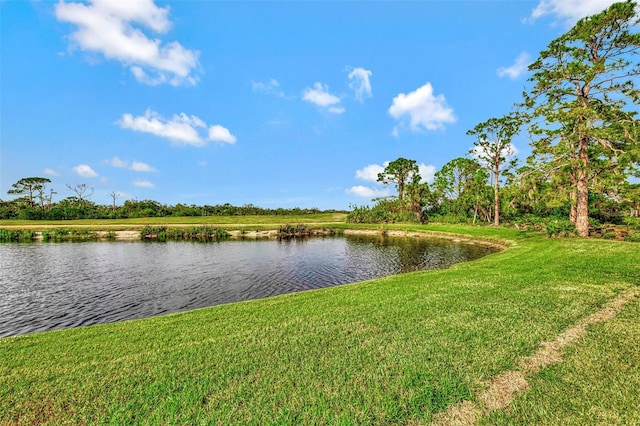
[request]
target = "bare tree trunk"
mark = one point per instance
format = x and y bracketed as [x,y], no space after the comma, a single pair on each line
[573,213]
[582,190]
[496,199]
[573,194]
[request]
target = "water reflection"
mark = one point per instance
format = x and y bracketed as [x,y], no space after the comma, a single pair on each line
[47,286]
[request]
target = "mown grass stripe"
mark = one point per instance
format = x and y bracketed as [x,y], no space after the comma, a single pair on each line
[503,388]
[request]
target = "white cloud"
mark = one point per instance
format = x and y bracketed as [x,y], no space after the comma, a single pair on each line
[143,183]
[271,87]
[85,171]
[50,172]
[370,173]
[366,192]
[569,11]
[117,162]
[136,166]
[426,172]
[320,96]
[423,108]
[218,133]
[336,110]
[519,67]
[114,29]
[181,129]
[360,83]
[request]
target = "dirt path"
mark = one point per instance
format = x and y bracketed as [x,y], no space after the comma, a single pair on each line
[503,388]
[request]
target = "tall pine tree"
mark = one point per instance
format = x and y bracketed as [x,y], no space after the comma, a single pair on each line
[582,103]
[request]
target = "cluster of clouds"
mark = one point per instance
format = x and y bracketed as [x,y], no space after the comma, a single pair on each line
[370,173]
[116,30]
[418,110]
[130,32]
[87,172]
[319,94]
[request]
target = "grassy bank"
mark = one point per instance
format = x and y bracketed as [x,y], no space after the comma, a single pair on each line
[389,351]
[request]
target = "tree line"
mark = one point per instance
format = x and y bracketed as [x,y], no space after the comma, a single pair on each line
[580,113]
[36,203]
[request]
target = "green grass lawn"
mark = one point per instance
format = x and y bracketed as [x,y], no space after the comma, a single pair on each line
[597,384]
[232,222]
[389,351]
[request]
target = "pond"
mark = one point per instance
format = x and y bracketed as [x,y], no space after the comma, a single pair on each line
[48,286]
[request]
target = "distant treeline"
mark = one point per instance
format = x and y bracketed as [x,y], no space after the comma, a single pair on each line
[75,208]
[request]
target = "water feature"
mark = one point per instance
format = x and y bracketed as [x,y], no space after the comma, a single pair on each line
[48,286]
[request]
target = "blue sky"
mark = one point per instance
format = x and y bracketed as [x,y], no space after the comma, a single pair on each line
[278,104]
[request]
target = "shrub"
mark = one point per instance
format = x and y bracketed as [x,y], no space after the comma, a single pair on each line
[201,233]
[16,235]
[633,237]
[555,227]
[297,230]
[632,222]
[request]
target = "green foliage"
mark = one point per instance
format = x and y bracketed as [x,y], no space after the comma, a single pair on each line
[71,209]
[400,172]
[491,149]
[7,235]
[33,187]
[199,233]
[460,188]
[335,231]
[632,222]
[31,213]
[385,210]
[583,106]
[552,226]
[633,237]
[559,227]
[299,230]
[68,234]
[450,218]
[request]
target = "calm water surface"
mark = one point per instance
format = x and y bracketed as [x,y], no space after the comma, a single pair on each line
[48,286]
